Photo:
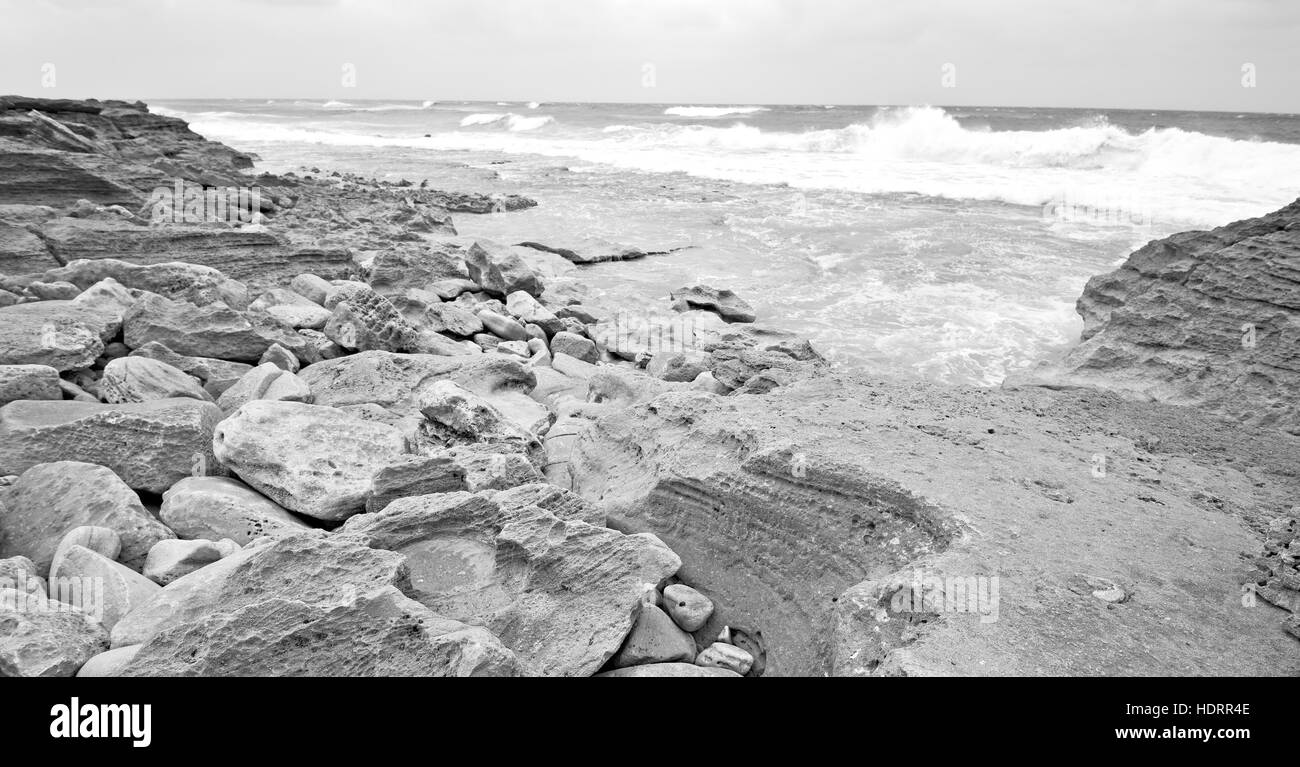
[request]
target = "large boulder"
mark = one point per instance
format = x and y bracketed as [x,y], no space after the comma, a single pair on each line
[176,280]
[396,271]
[314,460]
[291,308]
[214,508]
[1204,319]
[61,334]
[561,593]
[305,604]
[266,381]
[723,303]
[118,589]
[150,445]
[396,382]
[39,638]
[141,379]
[50,499]
[500,270]
[363,320]
[216,375]
[28,382]
[212,330]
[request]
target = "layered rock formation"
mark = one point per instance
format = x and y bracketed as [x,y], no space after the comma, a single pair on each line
[1204,319]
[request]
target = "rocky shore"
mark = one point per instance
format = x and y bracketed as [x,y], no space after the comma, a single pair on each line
[295,424]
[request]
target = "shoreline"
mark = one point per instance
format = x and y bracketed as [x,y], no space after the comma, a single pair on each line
[459,374]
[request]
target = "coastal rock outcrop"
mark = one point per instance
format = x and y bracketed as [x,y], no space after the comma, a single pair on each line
[1209,320]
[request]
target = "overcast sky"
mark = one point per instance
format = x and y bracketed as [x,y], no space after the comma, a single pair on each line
[1173,54]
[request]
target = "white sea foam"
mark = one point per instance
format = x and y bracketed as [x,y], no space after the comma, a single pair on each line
[712,111]
[511,121]
[1171,174]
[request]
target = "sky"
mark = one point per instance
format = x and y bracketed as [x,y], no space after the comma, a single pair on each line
[1141,54]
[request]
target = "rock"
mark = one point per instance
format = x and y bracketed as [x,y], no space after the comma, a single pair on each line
[516,348]
[216,375]
[267,381]
[141,379]
[590,250]
[457,414]
[169,560]
[21,251]
[505,327]
[101,540]
[215,508]
[560,502]
[393,272]
[311,287]
[730,657]
[706,382]
[76,393]
[575,346]
[53,291]
[214,330]
[28,382]
[174,280]
[449,289]
[679,366]
[429,342]
[490,467]
[380,633]
[51,499]
[529,310]
[318,347]
[61,334]
[48,641]
[453,319]
[500,270]
[249,254]
[291,309]
[307,604]
[688,607]
[733,364]
[150,445]
[656,639]
[280,357]
[314,460]
[415,475]
[560,593]
[1202,319]
[108,663]
[123,588]
[20,574]
[107,298]
[398,382]
[669,670]
[724,303]
[363,320]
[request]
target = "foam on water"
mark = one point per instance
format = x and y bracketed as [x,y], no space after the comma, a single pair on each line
[908,240]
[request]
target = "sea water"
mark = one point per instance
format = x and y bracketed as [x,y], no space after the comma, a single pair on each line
[946,243]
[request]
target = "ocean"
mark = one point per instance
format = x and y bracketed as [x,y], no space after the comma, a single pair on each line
[948,243]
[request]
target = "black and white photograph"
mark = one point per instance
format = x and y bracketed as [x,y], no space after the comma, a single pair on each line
[649,338]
